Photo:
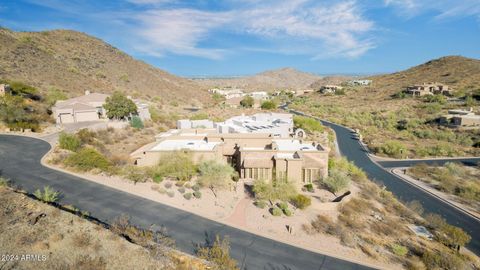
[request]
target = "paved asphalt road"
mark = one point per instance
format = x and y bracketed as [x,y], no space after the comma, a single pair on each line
[351,149]
[20,161]
[408,163]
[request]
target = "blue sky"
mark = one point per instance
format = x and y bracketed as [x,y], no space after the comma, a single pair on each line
[240,37]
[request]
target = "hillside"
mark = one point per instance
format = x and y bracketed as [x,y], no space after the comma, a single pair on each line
[74,62]
[458,72]
[330,80]
[285,78]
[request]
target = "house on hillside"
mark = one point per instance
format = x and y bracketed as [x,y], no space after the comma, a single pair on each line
[428,89]
[360,82]
[4,88]
[330,89]
[228,93]
[251,148]
[260,95]
[89,107]
[461,119]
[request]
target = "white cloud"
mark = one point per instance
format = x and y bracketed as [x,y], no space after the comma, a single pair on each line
[444,8]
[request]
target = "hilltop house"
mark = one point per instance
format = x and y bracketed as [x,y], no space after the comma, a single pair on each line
[89,107]
[228,93]
[428,89]
[360,82]
[461,119]
[254,155]
[330,89]
[4,88]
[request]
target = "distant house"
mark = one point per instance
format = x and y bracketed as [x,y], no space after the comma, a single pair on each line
[4,88]
[228,93]
[258,95]
[89,107]
[360,82]
[461,119]
[428,89]
[330,89]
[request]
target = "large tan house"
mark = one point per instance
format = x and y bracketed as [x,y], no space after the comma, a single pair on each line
[461,119]
[89,107]
[253,155]
[424,89]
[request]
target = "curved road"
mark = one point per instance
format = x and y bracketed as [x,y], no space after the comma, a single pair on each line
[20,161]
[351,148]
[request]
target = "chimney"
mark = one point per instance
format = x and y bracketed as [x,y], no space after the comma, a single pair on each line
[87,92]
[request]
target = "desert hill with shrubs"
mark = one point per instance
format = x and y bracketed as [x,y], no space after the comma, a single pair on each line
[74,62]
[284,78]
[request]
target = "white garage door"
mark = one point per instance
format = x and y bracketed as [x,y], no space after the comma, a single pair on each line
[86,116]
[66,118]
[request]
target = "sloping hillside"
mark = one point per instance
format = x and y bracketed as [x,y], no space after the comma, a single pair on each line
[329,80]
[461,73]
[74,62]
[285,78]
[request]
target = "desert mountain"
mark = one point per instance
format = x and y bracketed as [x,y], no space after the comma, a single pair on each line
[285,78]
[75,62]
[458,72]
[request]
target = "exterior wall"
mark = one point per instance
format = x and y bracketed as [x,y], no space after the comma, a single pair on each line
[151,158]
[86,116]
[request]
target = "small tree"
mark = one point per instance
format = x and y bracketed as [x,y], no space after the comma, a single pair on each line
[247,102]
[453,237]
[218,253]
[136,122]
[177,164]
[269,105]
[336,181]
[69,142]
[280,190]
[215,175]
[301,201]
[118,106]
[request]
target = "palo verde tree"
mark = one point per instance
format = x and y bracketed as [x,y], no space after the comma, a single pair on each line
[215,175]
[118,106]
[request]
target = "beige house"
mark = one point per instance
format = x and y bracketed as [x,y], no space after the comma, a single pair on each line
[4,88]
[330,89]
[428,89]
[253,155]
[461,119]
[89,107]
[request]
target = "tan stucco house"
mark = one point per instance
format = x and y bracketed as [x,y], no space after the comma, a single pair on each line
[424,89]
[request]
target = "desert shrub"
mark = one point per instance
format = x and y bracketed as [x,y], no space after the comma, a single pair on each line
[88,159]
[435,260]
[48,194]
[81,240]
[217,252]
[308,124]
[196,187]
[180,183]
[276,212]
[69,142]
[4,182]
[178,165]
[136,122]
[399,250]
[282,205]
[336,181]
[187,196]
[135,174]
[168,185]
[53,95]
[85,136]
[215,175]
[279,190]
[287,212]
[247,102]
[181,190]
[197,194]
[415,206]
[309,187]
[199,116]
[260,204]
[322,224]
[171,194]
[435,221]
[346,237]
[452,236]
[393,149]
[301,201]
[269,105]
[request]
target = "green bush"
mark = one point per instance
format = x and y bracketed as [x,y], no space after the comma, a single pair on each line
[69,142]
[118,106]
[260,204]
[309,187]
[168,185]
[399,250]
[199,116]
[135,174]
[301,201]
[187,196]
[280,190]
[136,122]
[393,149]
[178,165]
[247,102]
[196,187]
[215,175]
[197,194]
[4,182]
[47,195]
[336,181]
[269,105]
[87,159]
[308,124]
[85,136]
[287,212]
[181,189]
[275,211]
[282,205]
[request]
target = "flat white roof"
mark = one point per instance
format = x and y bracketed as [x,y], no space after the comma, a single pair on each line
[294,145]
[193,145]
